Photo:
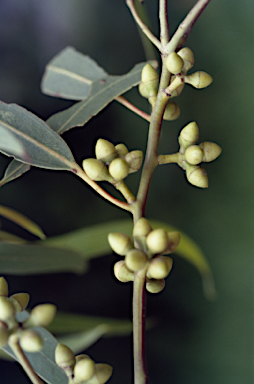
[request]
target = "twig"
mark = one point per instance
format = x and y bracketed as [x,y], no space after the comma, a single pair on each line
[133,108]
[164,28]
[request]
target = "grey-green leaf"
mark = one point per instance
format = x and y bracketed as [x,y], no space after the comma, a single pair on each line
[30,140]
[102,93]
[25,259]
[14,170]
[70,75]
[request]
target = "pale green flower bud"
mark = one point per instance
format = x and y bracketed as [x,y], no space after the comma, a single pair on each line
[135,260]
[3,287]
[194,154]
[196,176]
[142,228]
[84,368]
[149,81]
[105,151]
[96,170]
[134,159]
[174,63]
[31,341]
[159,267]
[103,372]
[174,238]
[122,273]
[188,58]
[7,310]
[155,286]
[172,111]
[157,241]
[210,150]
[121,150]
[119,169]
[4,336]
[120,243]
[189,135]
[41,316]
[199,79]
[64,358]
[20,301]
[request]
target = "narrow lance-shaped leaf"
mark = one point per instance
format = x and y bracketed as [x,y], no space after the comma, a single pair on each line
[102,93]
[14,170]
[30,140]
[70,75]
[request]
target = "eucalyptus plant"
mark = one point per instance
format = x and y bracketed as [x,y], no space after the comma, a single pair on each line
[145,246]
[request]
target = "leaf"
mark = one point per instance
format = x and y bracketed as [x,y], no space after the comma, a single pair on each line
[43,362]
[14,170]
[70,75]
[22,221]
[92,242]
[30,140]
[102,93]
[26,259]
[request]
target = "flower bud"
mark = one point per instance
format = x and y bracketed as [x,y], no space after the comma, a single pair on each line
[64,357]
[157,241]
[135,260]
[122,273]
[95,169]
[188,58]
[159,267]
[7,309]
[84,368]
[194,154]
[174,63]
[210,150]
[178,90]
[196,176]
[134,159]
[41,316]
[4,336]
[120,243]
[174,238]
[155,286]
[152,100]
[20,301]
[199,79]
[172,111]
[142,228]
[3,287]
[31,341]
[149,81]
[121,150]
[103,372]
[119,169]
[189,135]
[105,151]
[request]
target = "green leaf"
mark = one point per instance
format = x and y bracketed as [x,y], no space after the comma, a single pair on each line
[22,221]
[92,242]
[25,259]
[102,93]
[14,170]
[30,140]
[43,362]
[70,75]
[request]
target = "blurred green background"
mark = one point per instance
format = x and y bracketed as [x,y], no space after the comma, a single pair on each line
[196,341]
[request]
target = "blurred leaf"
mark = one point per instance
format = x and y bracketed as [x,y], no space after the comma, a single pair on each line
[13,171]
[43,362]
[102,93]
[26,259]
[22,221]
[30,140]
[70,75]
[10,238]
[92,242]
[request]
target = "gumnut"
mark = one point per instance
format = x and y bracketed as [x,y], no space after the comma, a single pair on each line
[188,135]
[122,273]
[159,267]
[31,341]
[174,238]
[95,169]
[172,111]
[120,243]
[134,159]
[7,310]
[105,151]
[135,260]
[121,150]
[174,63]
[149,81]
[3,287]
[103,372]
[4,336]
[119,169]
[197,176]
[41,316]
[188,58]
[142,228]
[64,357]
[194,154]
[210,151]
[199,79]
[84,368]
[20,301]
[155,286]
[157,241]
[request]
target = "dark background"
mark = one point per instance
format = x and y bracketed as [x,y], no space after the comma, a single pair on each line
[197,341]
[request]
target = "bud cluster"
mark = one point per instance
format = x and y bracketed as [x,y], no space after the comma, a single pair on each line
[152,246]
[113,163]
[81,368]
[41,315]
[192,155]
